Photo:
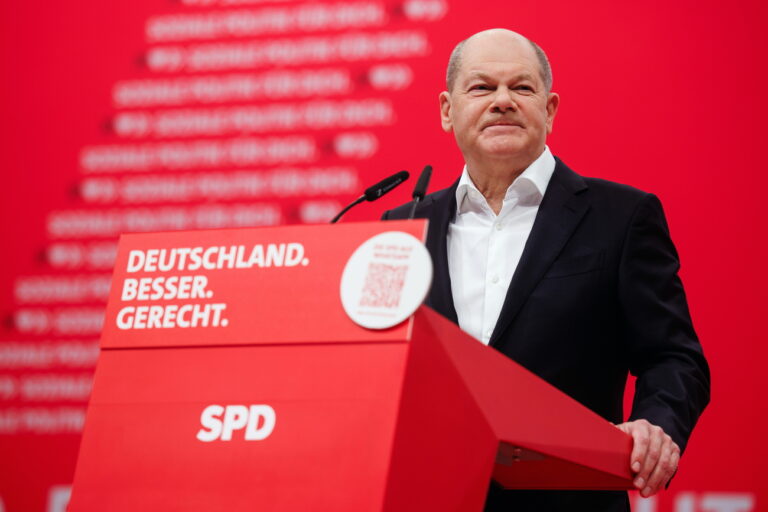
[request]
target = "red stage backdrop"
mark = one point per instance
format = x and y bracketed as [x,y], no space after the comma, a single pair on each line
[156,115]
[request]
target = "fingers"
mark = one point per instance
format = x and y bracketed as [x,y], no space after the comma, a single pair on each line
[640,431]
[664,468]
[653,440]
[675,462]
[654,456]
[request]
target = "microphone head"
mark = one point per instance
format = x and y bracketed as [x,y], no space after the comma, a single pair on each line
[420,190]
[384,186]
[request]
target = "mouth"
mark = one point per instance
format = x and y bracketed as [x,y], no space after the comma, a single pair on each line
[502,125]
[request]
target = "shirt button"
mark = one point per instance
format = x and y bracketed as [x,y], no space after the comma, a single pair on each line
[495,279]
[498,227]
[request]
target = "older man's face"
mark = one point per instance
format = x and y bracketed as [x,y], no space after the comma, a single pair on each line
[499,109]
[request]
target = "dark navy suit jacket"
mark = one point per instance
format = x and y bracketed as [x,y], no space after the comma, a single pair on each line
[595,295]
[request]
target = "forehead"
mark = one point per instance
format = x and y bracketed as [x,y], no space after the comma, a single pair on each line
[498,53]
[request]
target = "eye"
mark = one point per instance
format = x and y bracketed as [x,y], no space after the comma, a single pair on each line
[524,87]
[480,87]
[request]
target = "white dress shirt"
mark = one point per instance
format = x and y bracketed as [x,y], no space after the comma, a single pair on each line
[484,249]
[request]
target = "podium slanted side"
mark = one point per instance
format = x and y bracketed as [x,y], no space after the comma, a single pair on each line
[469,414]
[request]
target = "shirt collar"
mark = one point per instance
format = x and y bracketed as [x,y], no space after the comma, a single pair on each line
[529,187]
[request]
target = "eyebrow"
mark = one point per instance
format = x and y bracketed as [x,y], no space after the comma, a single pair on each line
[484,76]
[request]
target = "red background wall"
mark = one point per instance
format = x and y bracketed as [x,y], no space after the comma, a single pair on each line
[666,97]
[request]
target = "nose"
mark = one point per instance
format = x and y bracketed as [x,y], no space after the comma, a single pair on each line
[503,100]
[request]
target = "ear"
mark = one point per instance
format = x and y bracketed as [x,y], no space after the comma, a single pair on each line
[445,111]
[553,101]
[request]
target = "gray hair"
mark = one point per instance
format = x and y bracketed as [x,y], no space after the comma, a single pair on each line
[454,63]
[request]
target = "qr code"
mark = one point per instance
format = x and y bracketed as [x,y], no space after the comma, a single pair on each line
[383,285]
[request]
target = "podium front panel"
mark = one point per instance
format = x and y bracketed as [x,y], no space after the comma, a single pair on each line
[334,408]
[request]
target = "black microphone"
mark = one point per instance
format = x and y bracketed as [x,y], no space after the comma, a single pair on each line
[376,191]
[385,185]
[420,190]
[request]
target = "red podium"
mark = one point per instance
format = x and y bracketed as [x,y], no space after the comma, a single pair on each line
[230,378]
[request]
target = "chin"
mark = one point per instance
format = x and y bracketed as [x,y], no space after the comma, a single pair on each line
[504,150]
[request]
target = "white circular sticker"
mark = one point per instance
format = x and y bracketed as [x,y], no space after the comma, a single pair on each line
[386,279]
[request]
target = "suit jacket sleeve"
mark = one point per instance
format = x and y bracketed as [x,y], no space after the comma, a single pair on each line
[673,380]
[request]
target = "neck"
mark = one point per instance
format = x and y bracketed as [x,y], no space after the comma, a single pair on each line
[493,179]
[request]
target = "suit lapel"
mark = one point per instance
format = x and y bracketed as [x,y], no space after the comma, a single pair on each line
[442,210]
[561,210]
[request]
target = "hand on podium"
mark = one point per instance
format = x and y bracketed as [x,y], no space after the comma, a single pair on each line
[654,456]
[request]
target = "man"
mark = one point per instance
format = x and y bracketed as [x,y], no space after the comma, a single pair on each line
[574,278]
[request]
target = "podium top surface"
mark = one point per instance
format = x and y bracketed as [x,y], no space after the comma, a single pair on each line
[251,286]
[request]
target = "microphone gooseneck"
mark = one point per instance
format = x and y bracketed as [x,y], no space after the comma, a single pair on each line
[346,208]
